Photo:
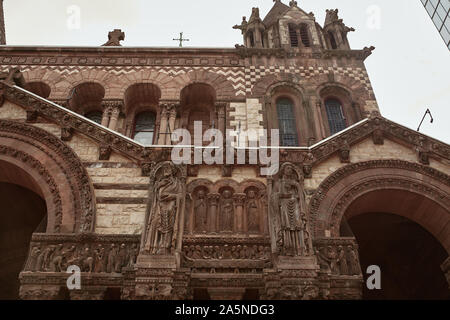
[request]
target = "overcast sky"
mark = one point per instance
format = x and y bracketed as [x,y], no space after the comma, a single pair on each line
[409,69]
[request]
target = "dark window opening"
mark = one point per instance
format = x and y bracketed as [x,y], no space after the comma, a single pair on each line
[286,122]
[95,116]
[304,35]
[335,115]
[144,128]
[293,37]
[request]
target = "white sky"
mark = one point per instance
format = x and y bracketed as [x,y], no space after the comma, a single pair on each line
[409,69]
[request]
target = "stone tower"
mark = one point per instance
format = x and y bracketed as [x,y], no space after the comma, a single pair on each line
[2,25]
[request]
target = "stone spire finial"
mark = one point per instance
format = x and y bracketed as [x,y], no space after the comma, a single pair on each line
[115,37]
[2,25]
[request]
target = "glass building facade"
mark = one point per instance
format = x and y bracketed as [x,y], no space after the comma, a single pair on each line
[439,13]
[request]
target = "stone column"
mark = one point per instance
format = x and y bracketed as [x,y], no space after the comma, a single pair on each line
[172,115]
[446,268]
[115,111]
[239,213]
[106,115]
[213,200]
[163,124]
[220,108]
[318,112]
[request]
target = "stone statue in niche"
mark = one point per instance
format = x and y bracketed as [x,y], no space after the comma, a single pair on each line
[288,213]
[200,212]
[163,215]
[253,210]
[226,211]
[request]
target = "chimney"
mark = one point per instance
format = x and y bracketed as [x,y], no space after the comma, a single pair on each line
[2,25]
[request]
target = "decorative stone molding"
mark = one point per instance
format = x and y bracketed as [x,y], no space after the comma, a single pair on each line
[103,259]
[340,273]
[357,189]
[46,176]
[75,122]
[69,163]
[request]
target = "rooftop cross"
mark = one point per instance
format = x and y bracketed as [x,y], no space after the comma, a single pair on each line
[114,38]
[181,39]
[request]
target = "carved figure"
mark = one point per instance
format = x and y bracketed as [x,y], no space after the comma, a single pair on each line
[200,212]
[226,211]
[164,211]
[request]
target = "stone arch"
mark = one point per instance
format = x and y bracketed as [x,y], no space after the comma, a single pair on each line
[39,88]
[193,185]
[160,79]
[302,111]
[71,80]
[225,183]
[42,75]
[267,84]
[223,87]
[86,97]
[337,192]
[56,171]
[251,183]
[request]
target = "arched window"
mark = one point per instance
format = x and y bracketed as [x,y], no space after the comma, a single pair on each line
[144,128]
[304,35]
[335,115]
[286,123]
[95,116]
[332,40]
[293,36]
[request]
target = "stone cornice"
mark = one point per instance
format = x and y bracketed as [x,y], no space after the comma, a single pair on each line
[145,56]
[377,127]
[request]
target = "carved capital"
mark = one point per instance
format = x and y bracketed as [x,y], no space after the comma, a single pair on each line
[213,199]
[239,198]
[112,107]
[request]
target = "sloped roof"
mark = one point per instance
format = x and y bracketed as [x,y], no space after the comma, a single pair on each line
[278,10]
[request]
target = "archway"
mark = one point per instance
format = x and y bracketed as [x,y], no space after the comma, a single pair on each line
[376,196]
[408,255]
[24,212]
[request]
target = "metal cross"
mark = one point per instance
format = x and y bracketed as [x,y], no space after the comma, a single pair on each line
[181,39]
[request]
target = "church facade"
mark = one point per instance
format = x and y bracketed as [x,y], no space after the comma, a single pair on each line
[88,181]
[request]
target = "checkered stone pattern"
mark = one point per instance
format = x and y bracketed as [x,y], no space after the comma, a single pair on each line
[254,73]
[233,74]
